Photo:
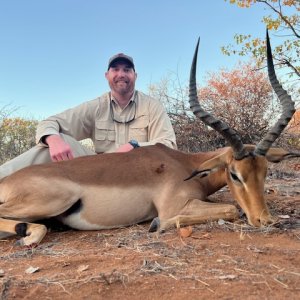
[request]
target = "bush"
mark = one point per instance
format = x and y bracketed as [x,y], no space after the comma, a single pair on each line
[17,135]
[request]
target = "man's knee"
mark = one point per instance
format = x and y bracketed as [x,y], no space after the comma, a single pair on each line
[37,155]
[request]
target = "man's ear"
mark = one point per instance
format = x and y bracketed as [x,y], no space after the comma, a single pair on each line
[276,155]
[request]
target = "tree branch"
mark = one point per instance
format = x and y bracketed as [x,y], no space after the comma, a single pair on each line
[281,16]
[286,62]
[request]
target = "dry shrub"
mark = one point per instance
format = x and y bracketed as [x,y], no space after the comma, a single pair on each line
[242,98]
[17,135]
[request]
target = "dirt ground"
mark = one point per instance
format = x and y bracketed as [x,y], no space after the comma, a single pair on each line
[219,260]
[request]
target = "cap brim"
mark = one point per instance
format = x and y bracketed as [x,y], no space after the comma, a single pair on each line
[121,59]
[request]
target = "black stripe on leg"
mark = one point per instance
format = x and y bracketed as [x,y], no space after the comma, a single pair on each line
[21,229]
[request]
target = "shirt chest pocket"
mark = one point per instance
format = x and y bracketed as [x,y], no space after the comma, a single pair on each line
[105,136]
[138,130]
[105,131]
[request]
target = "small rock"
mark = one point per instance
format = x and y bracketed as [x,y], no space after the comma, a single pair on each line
[221,222]
[31,270]
[284,216]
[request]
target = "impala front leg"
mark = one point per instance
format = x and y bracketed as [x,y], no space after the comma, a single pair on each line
[195,212]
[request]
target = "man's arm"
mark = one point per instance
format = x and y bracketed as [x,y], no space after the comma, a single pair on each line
[160,129]
[77,122]
[58,148]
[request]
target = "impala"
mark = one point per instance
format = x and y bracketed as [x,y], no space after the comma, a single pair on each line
[154,183]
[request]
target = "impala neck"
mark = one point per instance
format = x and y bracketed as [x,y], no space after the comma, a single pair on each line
[215,181]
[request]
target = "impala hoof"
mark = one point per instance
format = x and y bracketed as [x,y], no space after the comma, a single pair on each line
[155,224]
[20,242]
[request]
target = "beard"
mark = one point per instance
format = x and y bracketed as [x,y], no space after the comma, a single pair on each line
[122,87]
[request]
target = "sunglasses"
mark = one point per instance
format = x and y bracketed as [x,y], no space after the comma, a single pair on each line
[121,122]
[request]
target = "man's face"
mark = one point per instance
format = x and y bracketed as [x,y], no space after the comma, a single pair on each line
[121,78]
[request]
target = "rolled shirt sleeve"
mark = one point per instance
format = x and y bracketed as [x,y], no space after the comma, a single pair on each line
[160,129]
[78,122]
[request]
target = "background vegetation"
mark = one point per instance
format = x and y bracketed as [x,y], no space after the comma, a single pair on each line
[242,97]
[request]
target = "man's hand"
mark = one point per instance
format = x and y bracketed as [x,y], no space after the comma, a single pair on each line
[125,148]
[58,148]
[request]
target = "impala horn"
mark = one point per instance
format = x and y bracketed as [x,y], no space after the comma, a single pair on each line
[288,107]
[229,134]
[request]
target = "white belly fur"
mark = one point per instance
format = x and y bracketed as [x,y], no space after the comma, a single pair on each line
[104,208]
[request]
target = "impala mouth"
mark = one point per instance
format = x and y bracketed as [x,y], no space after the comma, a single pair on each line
[261,220]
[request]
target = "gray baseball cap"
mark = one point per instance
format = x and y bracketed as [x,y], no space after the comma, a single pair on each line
[120,57]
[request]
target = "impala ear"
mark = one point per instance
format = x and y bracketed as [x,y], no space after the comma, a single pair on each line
[211,165]
[276,155]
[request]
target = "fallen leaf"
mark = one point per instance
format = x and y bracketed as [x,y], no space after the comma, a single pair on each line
[185,232]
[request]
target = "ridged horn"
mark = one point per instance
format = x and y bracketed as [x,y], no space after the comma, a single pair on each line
[288,107]
[229,134]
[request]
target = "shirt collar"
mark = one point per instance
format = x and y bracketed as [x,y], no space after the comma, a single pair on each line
[132,99]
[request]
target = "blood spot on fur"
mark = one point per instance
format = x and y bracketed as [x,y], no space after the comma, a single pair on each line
[160,169]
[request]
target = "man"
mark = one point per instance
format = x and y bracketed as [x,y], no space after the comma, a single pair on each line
[118,121]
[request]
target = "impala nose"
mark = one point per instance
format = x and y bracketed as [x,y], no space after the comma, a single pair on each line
[262,220]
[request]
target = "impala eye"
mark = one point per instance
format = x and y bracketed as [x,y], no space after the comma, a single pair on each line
[234,177]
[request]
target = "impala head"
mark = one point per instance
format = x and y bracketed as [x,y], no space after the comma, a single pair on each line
[246,179]
[246,165]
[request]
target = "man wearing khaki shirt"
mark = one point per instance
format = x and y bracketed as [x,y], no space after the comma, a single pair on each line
[118,121]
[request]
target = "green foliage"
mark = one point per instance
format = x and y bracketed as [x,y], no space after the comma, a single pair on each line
[284,21]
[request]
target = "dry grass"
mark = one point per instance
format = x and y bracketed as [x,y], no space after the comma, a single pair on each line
[218,259]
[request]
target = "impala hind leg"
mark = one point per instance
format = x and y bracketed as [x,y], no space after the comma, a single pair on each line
[31,233]
[38,199]
[194,212]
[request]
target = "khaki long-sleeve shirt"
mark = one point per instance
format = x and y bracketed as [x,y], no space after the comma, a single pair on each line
[107,124]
